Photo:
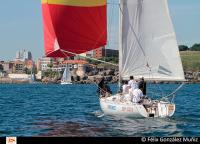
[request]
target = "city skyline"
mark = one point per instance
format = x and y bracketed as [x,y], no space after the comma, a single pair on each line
[21,26]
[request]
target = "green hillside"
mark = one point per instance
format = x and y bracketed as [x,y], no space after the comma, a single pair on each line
[190,60]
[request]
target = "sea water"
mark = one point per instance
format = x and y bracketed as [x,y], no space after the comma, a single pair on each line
[74,110]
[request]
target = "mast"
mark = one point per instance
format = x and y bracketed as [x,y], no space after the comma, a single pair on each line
[120,40]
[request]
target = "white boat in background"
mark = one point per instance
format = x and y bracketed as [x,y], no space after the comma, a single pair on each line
[66,78]
[32,78]
[148,48]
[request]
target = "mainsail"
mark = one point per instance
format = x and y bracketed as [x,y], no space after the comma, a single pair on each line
[66,75]
[148,43]
[73,26]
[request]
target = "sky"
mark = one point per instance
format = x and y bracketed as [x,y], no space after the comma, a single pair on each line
[21,25]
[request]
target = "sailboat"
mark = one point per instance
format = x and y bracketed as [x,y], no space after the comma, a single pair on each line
[32,77]
[66,78]
[148,49]
[147,45]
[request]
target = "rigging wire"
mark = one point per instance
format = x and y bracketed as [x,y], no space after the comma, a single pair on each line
[89,57]
[173,93]
[156,87]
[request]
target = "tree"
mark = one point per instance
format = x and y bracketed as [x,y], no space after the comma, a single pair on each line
[25,70]
[183,48]
[34,70]
[110,59]
[1,67]
[50,65]
[195,47]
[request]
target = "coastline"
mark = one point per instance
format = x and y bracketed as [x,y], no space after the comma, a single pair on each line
[91,77]
[88,81]
[13,81]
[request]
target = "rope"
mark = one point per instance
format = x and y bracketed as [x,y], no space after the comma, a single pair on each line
[102,90]
[173,93]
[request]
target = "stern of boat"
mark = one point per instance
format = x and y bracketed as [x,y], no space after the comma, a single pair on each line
[161,109]
[166,109]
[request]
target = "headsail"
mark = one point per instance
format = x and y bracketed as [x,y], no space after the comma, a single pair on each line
[149,47]
[73,26]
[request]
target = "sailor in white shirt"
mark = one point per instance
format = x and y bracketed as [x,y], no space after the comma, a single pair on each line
[125,88]
[125,91]
[137,94]
[132,83]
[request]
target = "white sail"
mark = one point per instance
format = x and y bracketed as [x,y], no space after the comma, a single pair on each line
[66,75]
[148,42]
[32,77]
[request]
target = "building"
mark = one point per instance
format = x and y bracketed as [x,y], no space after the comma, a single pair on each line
[78,67]
[23,55]
[44,63]
[88,54]
[74,63]
[99,53]
[111,53]
[8,67]
[19,67]
[102,52]
[59,60]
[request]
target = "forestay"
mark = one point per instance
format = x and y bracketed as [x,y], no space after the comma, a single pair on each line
[149,47]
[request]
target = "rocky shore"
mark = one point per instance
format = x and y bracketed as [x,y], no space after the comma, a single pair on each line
[111,76]
[13,81]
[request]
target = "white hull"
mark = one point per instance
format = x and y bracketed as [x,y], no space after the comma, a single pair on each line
[65,83]
[113,106]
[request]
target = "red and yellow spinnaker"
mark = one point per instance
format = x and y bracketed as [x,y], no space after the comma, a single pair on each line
[73,26]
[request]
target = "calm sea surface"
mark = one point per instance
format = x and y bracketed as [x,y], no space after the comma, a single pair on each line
[73,110]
